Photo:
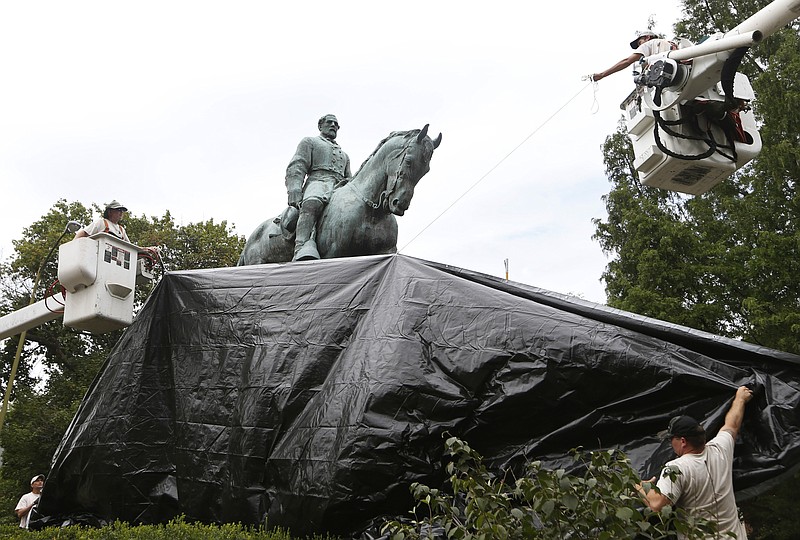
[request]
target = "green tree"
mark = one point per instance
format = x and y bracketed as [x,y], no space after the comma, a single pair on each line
[661,266]
[58,364]
[759,207]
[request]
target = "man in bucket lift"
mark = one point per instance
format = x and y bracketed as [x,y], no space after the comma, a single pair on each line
[645,44]
[725,114]
[109,223]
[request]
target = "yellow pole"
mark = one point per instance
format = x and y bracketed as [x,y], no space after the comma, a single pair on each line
[20,346]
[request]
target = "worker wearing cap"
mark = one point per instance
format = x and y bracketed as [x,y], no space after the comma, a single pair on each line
[704,483]
[29,500]
[645,44]
[109,223]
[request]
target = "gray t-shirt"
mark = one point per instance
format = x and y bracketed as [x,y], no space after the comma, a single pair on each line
[705,485]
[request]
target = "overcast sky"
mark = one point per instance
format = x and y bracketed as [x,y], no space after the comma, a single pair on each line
[197,107]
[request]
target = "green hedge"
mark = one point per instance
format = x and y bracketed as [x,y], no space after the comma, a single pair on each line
[174,530]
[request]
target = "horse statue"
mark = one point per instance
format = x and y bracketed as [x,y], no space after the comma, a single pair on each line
[360,218]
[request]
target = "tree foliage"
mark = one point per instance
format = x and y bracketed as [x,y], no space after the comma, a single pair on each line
[58,364]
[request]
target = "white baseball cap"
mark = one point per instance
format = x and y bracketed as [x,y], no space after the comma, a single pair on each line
[635,43]
[35,478]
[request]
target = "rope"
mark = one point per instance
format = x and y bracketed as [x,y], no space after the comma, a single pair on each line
[595,89]
[570,100]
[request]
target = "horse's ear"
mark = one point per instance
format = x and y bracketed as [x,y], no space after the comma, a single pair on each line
[437,141]
[422,134]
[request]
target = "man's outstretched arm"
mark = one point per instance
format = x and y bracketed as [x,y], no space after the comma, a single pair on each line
[735,415]
[619,66]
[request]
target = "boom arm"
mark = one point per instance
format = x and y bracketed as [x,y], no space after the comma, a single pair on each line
[770,19]
[30,317]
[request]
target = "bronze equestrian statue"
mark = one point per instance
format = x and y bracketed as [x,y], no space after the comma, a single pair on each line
[359,218]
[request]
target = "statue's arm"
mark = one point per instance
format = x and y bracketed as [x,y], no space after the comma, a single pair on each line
[297,170]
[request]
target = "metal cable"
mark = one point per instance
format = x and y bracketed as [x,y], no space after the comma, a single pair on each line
[570,100]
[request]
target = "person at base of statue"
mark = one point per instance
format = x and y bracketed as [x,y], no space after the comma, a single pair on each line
[29,500]
[109,223]
[703,485]
[645,44]
[319,165]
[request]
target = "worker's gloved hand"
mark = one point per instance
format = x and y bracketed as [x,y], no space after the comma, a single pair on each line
[295,197]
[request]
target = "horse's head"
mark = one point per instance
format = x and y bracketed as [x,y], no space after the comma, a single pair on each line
[409,163]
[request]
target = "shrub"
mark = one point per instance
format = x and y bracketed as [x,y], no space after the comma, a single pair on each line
[174,530]
[599,504]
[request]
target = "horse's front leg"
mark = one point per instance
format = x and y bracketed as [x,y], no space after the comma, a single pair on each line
[381,235]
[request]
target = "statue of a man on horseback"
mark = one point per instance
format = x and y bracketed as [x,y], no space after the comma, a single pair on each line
[342,216]
[319,165]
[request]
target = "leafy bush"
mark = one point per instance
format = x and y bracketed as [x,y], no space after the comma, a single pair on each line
[600,504]
[174,530]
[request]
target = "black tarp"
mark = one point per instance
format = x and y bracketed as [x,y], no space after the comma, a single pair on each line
[312,394]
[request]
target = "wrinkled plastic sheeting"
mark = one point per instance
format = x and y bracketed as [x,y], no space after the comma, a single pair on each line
[313,394]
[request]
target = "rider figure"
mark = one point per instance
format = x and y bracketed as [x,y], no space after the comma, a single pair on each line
[319,165]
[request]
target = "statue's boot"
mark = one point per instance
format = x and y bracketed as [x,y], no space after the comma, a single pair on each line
[308,252]
[305,249]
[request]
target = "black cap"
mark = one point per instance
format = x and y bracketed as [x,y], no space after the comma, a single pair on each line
[682,426]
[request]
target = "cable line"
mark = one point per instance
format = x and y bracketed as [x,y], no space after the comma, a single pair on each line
[570,100]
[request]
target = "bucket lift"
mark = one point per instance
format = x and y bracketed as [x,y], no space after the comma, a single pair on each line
[99,275]
[689,118]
